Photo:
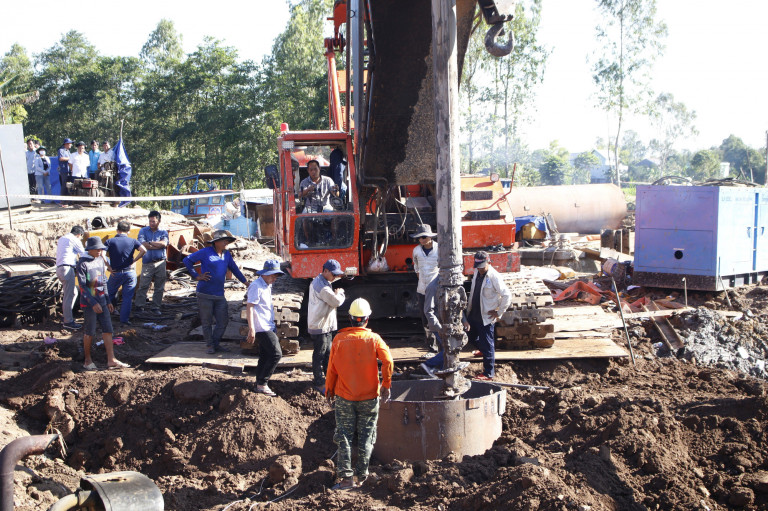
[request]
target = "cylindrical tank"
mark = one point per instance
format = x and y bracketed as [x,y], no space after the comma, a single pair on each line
[416,424]
[585,209]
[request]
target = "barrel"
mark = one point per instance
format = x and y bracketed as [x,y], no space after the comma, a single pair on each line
[417,425]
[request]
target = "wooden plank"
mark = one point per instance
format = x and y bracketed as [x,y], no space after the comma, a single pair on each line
[576,324]
[580,334]
[656,313]
[578,310]
[193,353]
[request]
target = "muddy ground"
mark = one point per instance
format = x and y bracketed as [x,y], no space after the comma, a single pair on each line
[666,433]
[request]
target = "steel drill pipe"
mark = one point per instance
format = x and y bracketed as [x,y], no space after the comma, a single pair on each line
[10,455]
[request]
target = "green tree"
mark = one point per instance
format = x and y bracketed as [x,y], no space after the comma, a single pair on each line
[746,163]
[705,164]
[15,85]
[673,121]
[293,78]
[555,166]
[631,39]
[519,73]
[582,166]
[163,49]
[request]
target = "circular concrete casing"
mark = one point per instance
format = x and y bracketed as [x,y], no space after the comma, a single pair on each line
[417,425]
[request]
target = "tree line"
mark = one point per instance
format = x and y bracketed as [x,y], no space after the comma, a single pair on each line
[203,111]
[210,111]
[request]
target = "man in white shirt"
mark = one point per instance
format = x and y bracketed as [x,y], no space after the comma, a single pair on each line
[321,318]
[489,299]
[79,162]
[425,266]
[68,250]
[107,155]
[261,324]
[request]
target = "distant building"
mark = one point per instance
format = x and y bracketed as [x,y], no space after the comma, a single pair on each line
[600,173]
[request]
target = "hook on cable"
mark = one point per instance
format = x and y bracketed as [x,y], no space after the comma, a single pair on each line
[493,46]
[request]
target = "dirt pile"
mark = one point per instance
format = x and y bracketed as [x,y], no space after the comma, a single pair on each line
[667,435]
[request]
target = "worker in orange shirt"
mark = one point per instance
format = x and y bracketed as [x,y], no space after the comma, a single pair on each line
[353,379]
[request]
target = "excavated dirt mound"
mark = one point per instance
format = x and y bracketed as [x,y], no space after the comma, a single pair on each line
[667,434]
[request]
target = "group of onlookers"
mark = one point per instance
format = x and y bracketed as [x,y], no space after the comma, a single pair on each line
[71,165]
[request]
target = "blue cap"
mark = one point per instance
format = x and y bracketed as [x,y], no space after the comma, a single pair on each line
[333,266]
[67,141]
[271,267]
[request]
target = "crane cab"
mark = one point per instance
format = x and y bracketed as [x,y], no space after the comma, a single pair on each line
[303,236]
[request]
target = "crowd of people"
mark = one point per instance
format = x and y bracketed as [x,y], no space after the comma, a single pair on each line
[344,361]
[70,165]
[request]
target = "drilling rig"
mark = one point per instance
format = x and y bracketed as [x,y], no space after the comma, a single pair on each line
[393,112]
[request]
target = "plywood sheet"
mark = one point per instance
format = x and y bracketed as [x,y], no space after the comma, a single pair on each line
[193,353]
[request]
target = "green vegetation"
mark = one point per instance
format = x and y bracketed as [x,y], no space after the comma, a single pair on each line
[211,111]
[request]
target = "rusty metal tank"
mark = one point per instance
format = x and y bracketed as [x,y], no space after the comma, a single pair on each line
[585,209]
[416,425]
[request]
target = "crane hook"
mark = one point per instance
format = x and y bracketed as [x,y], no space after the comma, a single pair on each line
[493,46]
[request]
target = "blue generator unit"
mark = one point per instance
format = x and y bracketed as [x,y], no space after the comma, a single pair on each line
[714,237]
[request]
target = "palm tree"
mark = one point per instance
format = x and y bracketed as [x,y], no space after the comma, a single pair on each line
[22,98]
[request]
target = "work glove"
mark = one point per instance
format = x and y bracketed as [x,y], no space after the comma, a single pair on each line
[384,394]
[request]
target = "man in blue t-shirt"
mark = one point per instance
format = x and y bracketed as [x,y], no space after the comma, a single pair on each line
[93,156]
[215,260]
[120,251]
[155,240]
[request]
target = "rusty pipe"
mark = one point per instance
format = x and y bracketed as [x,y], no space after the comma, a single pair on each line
[10,455]
[493,46]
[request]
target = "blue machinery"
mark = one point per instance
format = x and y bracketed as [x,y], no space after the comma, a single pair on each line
[713,236]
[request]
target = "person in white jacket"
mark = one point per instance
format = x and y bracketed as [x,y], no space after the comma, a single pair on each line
[321,320]
[425,266]
[489,298]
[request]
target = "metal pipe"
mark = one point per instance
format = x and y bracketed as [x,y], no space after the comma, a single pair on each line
[623,322]
[10,455]
[66,503]
[451,297]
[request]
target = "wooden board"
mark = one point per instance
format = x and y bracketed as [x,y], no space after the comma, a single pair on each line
[578,310]
[193,353]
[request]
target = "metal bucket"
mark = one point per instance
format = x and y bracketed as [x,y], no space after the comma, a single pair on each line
[416,425]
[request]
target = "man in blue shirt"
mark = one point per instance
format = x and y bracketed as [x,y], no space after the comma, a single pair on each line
[214,261]
[122,273]
[155,240]
[93,154]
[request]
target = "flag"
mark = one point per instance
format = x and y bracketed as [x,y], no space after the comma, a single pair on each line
[124,172]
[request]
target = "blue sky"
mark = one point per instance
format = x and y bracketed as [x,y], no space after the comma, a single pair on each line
[712,62]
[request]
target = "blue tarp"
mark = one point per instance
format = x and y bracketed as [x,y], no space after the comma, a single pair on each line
[537,221]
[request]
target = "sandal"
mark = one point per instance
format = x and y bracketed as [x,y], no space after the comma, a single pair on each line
[119,365]
[90,367]
[264,389]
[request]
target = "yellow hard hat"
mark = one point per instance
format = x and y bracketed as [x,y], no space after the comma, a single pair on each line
[360,308]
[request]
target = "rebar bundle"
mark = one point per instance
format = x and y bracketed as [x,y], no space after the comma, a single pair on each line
[31,298]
